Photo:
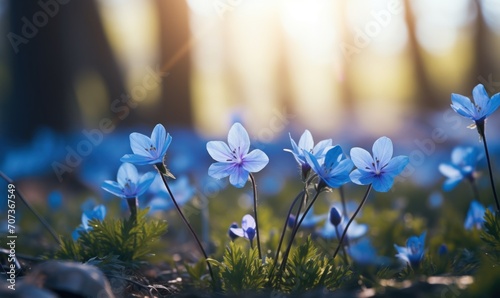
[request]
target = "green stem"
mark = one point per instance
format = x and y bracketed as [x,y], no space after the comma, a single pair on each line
[254,187]
[480,129]
[132,205]
[343,248]
[294,232]
[41,219]
[283,233]
[474,188]
[351,220]
[162,170]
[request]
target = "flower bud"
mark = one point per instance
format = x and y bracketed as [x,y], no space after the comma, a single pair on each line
[335,217]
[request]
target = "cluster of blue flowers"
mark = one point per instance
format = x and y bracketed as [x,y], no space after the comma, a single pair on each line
[323,167]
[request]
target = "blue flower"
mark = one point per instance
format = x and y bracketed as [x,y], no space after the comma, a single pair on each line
[309,221]
[247,229]
[128,183]
[233,158]
[463,165]
[482,107]
[182,190]
[99,213]
[335,169]
[148,150]
[363,252]
[380,169]
[55,200]
[306,144]
[355,230]
[414,250]
[475,216]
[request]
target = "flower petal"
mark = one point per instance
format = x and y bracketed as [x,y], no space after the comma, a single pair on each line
[333,156]
[139,143]
[158,137]
[493,104]
[451,183]
[126,172]
[255,161]
[136,159]
[450,171]
[238,231]
[361,177]
[238,138]
[382,183]
[396,165]
[319,149]
[144,183]
[239,176]
[463,106]
[314,164]
[219,151]
[164,147]
[362,159]
[481,98]
[113,187]
[220,170]
[306,141]
[248,222]
[382,150]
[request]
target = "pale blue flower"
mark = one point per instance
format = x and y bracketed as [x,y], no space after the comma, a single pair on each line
[233,158]
[414,250]
[128,183]
[335,169]
[379,170]
[247,229]
[306,144]
[310,221]
[148,150]
[463,165]
[482,107]
[99,213]
[355,230]
[182,190]
[363,252]
[475,216]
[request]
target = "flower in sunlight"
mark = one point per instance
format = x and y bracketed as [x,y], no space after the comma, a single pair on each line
[480,109]
[334,170]
[233,158]
[414,250]
[128,183]
[475,216]
[306,144]
[98,212]
[379,170]
[462,166]
[148,150]
[247,229]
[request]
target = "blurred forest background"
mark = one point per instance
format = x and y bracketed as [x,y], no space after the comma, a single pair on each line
[335,67]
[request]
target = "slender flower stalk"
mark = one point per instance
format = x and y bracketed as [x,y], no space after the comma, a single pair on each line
[351,220]
[294,232]
[254,188]
[163,173]
[40,218]
[278,250]
[483,136]
[478,111]
[335,219]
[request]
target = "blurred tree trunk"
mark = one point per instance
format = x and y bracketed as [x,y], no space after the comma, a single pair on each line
[425,96]
[70,38]
[175,45]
